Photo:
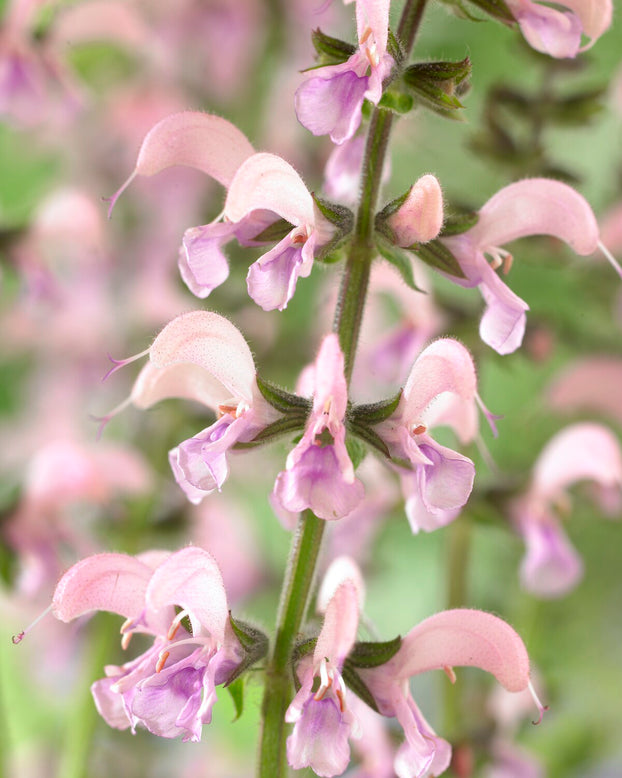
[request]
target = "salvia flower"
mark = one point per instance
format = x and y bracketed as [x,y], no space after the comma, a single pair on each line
[557,32]
[329,102]
[451,638]
[533,206]
[420,217]
[180,600]
[582,451]
[203,357]
[266,183]
[322,720]
[319,473]
[441,390]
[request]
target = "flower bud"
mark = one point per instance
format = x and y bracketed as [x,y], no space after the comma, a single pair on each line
[420,217]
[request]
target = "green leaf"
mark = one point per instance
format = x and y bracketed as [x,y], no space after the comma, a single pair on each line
[355,683]
[497,9]
[396,101]
[236,690]
[370,437]
[333,50]
[339,215]
[399,259]
[254,642]
[283,401]
[437,84]
[374,413]
[456,222]
[371,654]
[438,72]
[274,232]
[438,256]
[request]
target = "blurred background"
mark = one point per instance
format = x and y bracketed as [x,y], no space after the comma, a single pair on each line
[80,85]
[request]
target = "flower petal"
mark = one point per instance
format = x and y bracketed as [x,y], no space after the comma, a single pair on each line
[537,206]
[551,566]
[465,637]
[340,625]
[266,181]
[191,578]
[107,582]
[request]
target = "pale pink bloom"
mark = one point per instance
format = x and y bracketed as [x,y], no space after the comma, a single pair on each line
[322,720]
[201,356]
[441,390]
[533,206]
[583,451]
[558,32]
[420,217]
[447,639]
[170,688]
[510,761]
[330,100]
[267,183]
[319,474]
[591,384]
[407,320]
[375,749]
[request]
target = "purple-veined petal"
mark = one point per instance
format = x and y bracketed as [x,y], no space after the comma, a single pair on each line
[109,582]
[549,30]
[447,482]
[580,451]
[536,206]
[267,182]
[191,578]
[502,326]
[465,637]
[193,139]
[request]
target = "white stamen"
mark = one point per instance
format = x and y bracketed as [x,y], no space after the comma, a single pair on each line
[21,635]
[541,708]
[610,258]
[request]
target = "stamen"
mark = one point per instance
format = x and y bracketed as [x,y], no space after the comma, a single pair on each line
[342,700]
[125,640]
[172,630]
[103,420]
[366,33]
[610,258]
[491,418]
[449,672]
[232,410]
[541,708]
[326,681]
[419,429]
[372,55]
[162,660]
[117,364]
[16,639]
[508,261]
[113,199]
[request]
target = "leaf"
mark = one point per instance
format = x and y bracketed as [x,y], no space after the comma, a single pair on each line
[254,642]
[333,50]
[396,101]
[367,434]
[339,215]
[372,654]
[287,424]
[236,690]
[457,222]
[400,261]
[356,451]
[438,256]
[283,401]
[355,683]
[275,232]
[374,413]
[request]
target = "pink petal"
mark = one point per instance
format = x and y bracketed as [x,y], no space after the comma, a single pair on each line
[580,451]
[108,582]
[191,579]
[329,382]
[590,384]
[420,217]
[469,638]
[193,139]
[595,15]
[444,366]
[374,14]
[266,181]
[101,20]
[551,566]
[549,30]
[341,621]
[342,568]
[537,206]
[199,355]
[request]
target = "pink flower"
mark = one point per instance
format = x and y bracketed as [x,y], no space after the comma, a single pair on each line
[441,389]
[590,384]
[533,206]
[455,637]
[420,217]
[557,32]
[170,688]
[551,566]
[322,719]
[265,183]
[330,100]
[319,473]
[203,357]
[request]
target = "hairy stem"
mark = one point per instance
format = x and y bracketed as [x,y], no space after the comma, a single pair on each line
[305,549]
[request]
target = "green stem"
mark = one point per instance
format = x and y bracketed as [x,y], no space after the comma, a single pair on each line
[306,543]
[458,553]
[294,600]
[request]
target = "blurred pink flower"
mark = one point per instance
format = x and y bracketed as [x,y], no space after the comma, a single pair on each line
[590,384]
[584,451]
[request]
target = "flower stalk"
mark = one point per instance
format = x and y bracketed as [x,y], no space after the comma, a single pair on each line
[308,536]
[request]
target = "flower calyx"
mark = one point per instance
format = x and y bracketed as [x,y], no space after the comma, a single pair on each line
[331,51]
[343,220]
[254,643]
[498,9]
[366,655]
[439,85]
[361,418]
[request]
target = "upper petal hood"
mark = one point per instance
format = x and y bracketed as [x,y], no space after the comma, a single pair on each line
[464,637]
[199,355]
